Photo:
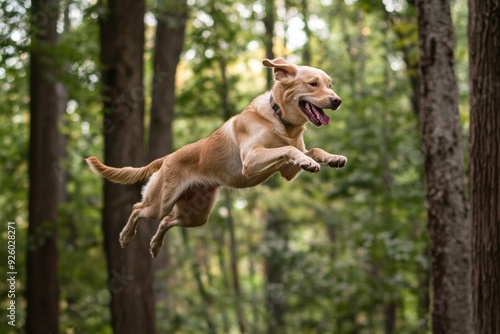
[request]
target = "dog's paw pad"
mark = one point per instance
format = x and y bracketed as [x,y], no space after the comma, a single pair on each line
[310,167]
[338,162]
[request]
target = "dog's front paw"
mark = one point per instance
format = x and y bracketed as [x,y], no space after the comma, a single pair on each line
[336,161]
[309,165]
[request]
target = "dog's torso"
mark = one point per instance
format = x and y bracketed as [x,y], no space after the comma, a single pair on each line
[214,158]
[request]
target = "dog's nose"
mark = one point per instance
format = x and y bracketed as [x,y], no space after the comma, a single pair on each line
[335,101]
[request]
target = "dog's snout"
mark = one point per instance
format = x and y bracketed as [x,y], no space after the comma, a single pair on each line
[335,101]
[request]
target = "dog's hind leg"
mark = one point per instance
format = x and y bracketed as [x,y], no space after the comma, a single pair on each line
[152,206]
[191,210]
[165,224]
[129,230]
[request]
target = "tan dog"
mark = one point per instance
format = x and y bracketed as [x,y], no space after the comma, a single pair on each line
[245,151]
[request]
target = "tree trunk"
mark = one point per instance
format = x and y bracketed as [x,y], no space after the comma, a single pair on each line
[169,42]
[234,263]
[275,228]
[444,170]
[226,113]
[268,21]
[484,144]
[274,272]
[221,244]
[130,273]
[205,297]
[306,49]
[42,292]
[408,48]
[390,309]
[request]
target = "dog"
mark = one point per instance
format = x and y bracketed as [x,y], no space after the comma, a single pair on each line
[267,137]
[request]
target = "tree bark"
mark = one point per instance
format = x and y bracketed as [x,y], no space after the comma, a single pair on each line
[42,291]
[269,21]
[130,272]
[444,170]
[306,49]
[484,145]
[233,248]
[274,272]
[390,309]
[235,277]
[205,296]
[408,48]
[169,43]
[275,228]
[221,244]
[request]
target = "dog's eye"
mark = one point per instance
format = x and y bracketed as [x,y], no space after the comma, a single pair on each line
[314,83]
[330,85]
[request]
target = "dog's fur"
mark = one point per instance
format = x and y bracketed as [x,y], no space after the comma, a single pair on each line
[243,152]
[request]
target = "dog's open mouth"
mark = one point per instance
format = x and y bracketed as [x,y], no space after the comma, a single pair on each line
[314,113]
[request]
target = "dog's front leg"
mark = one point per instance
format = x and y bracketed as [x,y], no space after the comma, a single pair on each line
[322,157]
[261,160]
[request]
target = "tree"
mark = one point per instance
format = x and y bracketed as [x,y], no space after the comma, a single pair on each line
[275,231]
[169,42]
[129,270]
[484,145]
[269,20]
[444,169]
[44,155]
[274,271]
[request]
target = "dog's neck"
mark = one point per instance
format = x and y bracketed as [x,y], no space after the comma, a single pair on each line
[278,112]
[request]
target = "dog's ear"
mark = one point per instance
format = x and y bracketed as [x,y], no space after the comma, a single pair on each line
[282,69]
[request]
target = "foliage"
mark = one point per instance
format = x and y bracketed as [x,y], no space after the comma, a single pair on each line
[356,237]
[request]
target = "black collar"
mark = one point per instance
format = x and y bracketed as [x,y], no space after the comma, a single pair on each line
[277,111]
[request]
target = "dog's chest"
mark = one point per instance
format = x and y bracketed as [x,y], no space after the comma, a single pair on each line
[296,141]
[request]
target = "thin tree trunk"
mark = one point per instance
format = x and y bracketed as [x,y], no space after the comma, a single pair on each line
[390,305]
[390,309]
[408,49]
[224,92]
[252,247]
[274,226]
[42,291]
[130,272]
[269,21]
[222,265]
[444,170]
[169,42]
[484,144]
[306,50]
[205,297]
[274,272]
[234,263]
[226,111]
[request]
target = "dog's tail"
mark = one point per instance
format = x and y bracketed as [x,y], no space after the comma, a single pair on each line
[125,175]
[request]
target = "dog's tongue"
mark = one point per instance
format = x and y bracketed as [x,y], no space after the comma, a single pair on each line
[320,115]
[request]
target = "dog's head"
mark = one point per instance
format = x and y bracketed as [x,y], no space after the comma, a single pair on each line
[302,92]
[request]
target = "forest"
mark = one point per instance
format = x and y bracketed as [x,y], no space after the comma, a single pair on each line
[404,239]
